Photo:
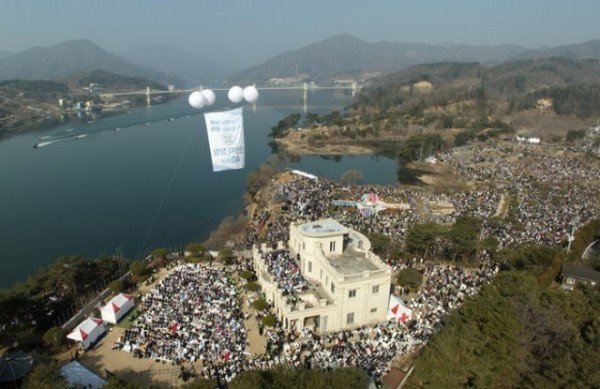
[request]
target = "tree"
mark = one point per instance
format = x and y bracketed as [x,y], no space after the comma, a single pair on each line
[419,147]
[574,135]
[290,121]
[269,321]
[117,286]
[201,383]
[310,119]
[45,376]
[410,277]
[194,248]
[351,177]
[138,268]
[533,258]
[117,383]
[464,235]
[260,304]
[252,286]
[380,243]
[226,256]
[347,377]
[421,238]
[55,337]
[160,253]
[252,379]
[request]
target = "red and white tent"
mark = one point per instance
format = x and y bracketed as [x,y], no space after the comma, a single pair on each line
[88,331]
[398,311]
[117,307]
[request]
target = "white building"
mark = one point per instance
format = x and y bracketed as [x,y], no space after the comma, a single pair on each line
[87,332]
[117,307]
[349,286]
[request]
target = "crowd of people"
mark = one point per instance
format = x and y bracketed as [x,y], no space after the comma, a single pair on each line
[373,348]
[521,195]
[191,315]
[285,272]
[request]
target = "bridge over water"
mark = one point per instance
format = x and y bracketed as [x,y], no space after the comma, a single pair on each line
[148,92]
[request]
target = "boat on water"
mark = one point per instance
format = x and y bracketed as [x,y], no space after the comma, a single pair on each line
[81,136]
[171,119]
[42,144]
[69,129]
[117,129]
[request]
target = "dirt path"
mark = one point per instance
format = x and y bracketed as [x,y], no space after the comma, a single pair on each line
[502,209]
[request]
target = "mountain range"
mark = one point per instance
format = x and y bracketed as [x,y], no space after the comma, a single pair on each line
[341,56]
[588,49]
[345,56]
[175,63]
[64,59]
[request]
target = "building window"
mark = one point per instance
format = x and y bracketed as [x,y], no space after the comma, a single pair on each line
[321,274]
[332,246]
[360,244]
[373,310]
[350,318]
[375,289]
[570,280]
[332,288]
[352,293]
[303,246]
[310,267]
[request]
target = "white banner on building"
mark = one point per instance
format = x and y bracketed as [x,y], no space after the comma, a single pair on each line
[226,139]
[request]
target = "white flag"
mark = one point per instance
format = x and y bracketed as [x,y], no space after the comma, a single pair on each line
[398,311]
[226,139]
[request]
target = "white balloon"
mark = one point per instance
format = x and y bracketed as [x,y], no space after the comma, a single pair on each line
[197,100]
[209,96]
[251,94]
[235,94]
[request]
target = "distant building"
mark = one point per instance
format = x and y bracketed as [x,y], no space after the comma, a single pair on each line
[349,284]
[573,275]
[528,138]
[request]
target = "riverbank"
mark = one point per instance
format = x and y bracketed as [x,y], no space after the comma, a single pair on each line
[326,140]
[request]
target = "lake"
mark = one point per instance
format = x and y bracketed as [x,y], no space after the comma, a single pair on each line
[94,194]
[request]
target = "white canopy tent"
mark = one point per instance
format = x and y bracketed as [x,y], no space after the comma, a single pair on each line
[117,307]
[87,332]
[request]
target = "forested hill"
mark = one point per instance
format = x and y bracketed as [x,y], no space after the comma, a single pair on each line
[347,56]
[64,59]
[109,81]
[589,49]
[571,86]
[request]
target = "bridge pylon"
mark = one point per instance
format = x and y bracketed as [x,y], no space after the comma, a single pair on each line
[148,95]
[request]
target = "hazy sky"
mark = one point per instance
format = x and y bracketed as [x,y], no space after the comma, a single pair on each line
[243,33]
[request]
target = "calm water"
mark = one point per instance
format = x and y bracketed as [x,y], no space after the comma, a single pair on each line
[92,195]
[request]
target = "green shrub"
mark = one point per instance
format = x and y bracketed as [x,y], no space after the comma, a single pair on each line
[246,274]
[116,286]
[410,277]
[269,321]
[55,337]
[253,286]
[260,305]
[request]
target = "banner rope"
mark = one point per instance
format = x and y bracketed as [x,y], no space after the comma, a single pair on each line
[168,189]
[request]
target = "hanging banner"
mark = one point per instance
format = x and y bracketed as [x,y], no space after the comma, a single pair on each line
[226,139]
[398,311]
